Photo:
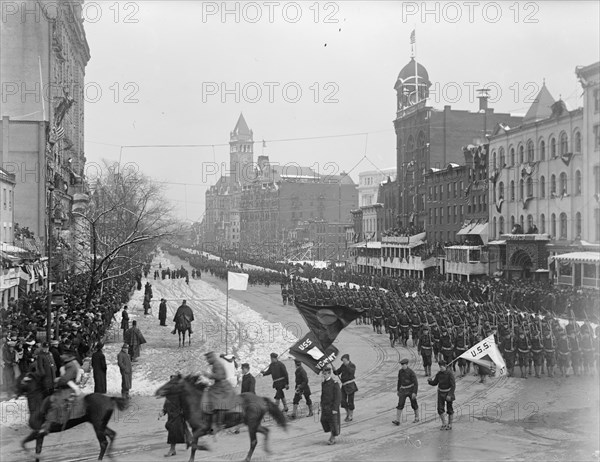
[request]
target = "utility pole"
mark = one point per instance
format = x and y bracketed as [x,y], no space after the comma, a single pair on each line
[49,247]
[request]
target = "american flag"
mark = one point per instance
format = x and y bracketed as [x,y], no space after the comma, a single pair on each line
[412,37]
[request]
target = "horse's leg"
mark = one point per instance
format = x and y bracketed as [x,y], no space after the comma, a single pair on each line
[253,441]
[101,436]
[111,437]
[189,338]
[265,431]
[179,334]
[38,446]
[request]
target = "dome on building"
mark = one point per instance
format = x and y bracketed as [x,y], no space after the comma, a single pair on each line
[407,74]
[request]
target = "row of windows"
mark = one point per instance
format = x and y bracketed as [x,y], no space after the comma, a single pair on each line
[526,187]
[7,199]
[560,232]
[526,153]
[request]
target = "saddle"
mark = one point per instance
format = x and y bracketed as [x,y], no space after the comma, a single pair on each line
[66,406]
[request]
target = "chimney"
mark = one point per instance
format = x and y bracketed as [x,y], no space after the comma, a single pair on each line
[483,98]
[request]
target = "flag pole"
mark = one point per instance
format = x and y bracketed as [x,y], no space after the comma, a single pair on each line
[416,68]
[227,315]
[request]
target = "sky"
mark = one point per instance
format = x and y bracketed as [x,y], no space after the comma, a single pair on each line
[314,80]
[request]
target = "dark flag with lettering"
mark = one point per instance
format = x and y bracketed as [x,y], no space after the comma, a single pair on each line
[326,322]
[312,353]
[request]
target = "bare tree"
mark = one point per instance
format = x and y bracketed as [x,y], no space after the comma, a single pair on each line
[126,218]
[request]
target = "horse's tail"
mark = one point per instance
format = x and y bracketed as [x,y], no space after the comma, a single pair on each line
[274,410]
[121,403]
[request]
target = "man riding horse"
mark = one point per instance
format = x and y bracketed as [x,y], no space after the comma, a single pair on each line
[183,317]
[220,397]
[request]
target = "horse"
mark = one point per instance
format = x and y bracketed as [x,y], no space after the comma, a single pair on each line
[183,325]
[98,411]
[250,411]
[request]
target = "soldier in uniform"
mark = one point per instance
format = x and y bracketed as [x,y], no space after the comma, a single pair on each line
[407,387]
[302,389]
[575,352]
[549,351]
[523,352]
[507,348]
[280,377]
[444,379]
[392,324]
[377,318]
[460,347]
[587,348]
[404,327]
[447,348]
[425,348]
[537,351]
[415,325]
[564,353]
[284,295]
[347,373]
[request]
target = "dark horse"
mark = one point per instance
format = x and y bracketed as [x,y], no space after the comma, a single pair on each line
[98,411]
[250,411]
[183,325]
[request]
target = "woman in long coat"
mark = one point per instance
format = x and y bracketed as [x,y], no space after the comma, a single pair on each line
[99,368]
[178,432]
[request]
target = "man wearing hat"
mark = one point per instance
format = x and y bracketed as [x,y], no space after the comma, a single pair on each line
[124,363]
[444,379]
[347,372]
[278,372]
[220,395]
[99,369]
[302,389]
[45,369]
[55,352]
[408,386]
[330,404]
[162,312]
[425,348]
[63,385]
[248,380]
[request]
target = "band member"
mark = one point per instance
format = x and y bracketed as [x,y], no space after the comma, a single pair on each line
[408,386]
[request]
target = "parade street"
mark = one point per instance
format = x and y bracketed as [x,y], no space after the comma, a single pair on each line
[505,418]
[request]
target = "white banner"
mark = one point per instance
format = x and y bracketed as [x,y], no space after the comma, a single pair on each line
[237,281]
[485,352]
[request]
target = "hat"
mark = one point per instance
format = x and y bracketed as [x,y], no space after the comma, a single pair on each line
[442,363]
[327,368]
[246,365]
[45,345]
[274,355]
[125,346]
[346,356]
[297,363]
[404,361]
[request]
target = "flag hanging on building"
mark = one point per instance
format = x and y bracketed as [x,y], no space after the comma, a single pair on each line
[486,354]
[237,281]
[566,158]
[412,37]
[326,322]
[312,353]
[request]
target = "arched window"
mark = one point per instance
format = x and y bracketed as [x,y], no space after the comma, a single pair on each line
[494,229]
[563,184]
[564,143]
[501,225]
[521,189]
[410,147]
[553,185]
[512,192]
[501,190]
[577,144]
[552,148]
[512,157]
[529,222]
[563,225]
[578,183]
[543,187]
[542,150]
[578,225]
[502,158]
[421,145]
[521,154]
[494,159]
[512,222]
[529,187]
[553,225]
[530,153]
[522,223]
[542,223]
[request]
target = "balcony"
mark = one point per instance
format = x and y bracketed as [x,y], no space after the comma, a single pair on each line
[412,263]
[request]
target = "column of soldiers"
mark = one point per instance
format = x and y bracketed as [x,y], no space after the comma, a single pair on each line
[443,329]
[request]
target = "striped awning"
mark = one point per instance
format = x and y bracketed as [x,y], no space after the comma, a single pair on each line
[578,257]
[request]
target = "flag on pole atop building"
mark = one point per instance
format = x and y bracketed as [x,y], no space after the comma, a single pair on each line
[487,354]
[412,36]
[237,281]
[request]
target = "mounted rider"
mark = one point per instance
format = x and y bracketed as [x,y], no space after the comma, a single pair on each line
[65,386]
[220,396]
[184,312]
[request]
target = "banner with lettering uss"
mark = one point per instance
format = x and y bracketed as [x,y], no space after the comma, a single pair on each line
[310,352]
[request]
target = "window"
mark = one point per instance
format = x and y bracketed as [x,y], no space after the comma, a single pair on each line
[462,212]
[501,190]
[542,223]
[597,179]
[552,148]
[521,154]
[530,153]
[563,184]
[502,158]
[512,222]
[553,185]
[494,228]
[542,150]
[578,183]
[542,187]
[596,137]
[512,157]
[522,223]
[529,222]
[449,213]
[501,225]
[529,187]
[563,225]
[553,225]
[578,225]
[577,145]
[512,190]
[597,223]
[596,100]
[494,159]
[521,189]
[455,186]
[4,198]
[564,144]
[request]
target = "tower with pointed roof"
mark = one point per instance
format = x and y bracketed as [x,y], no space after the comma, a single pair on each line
[241,154]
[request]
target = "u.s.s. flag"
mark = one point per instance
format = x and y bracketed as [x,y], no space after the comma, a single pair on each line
[310,351]
[486,353]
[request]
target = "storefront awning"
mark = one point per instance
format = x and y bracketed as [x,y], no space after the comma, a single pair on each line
[475,228]
[578,257]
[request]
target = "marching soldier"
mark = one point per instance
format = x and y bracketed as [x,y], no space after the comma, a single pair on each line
[408,386]
[507,348]
[302,388]
[447,348]
[425,348]
[392,324]
[549,351]
[575,352]
[459,348]
[404,327]
[523,352]
[377,319]
[444,379]
[537,352]
[587,348]
[564,353]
